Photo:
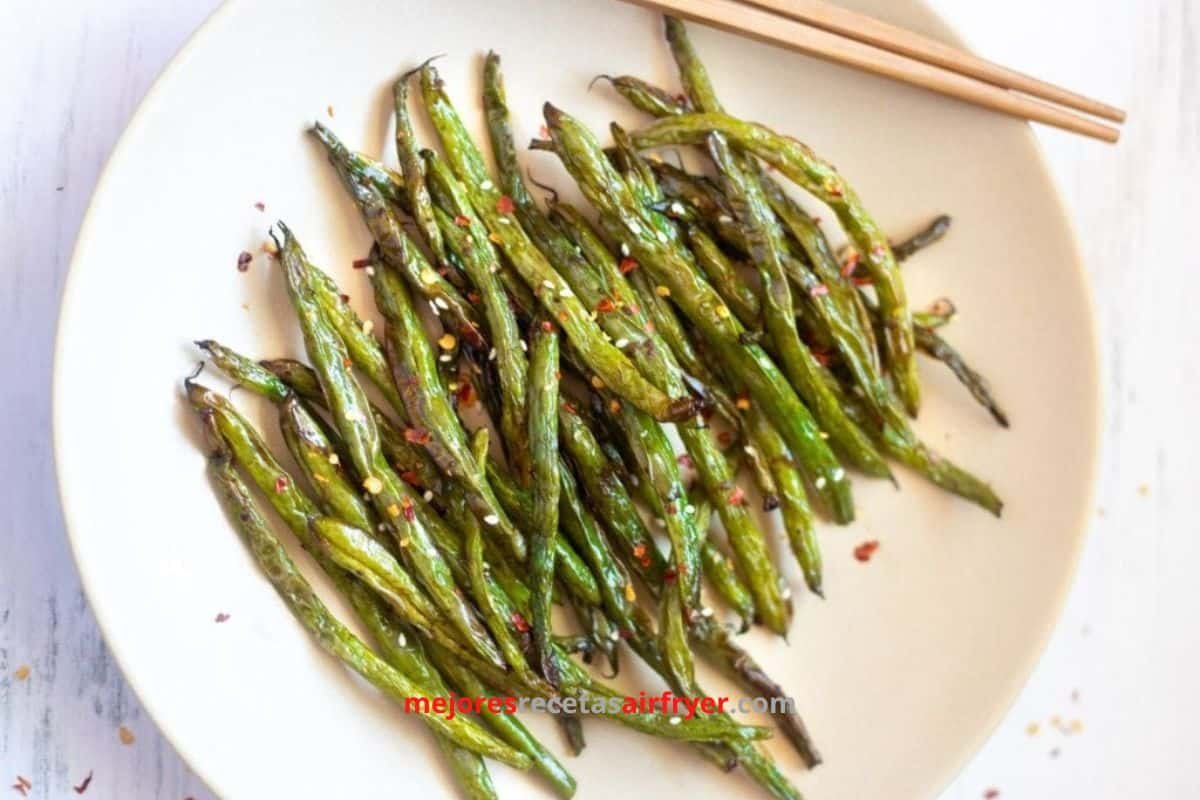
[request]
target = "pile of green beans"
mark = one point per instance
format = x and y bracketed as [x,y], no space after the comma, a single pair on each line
[522,455]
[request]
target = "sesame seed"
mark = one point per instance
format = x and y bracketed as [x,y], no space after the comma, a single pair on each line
[722,311]
[428,495]
[492,354]
[373,484]
[487,186]
[706,612]
[675,720]
[622,342]
[504,221]
[402,640]
[565,291]
[333,458]
[724,218]
[548,284]
[662,237]
[614,635]
[662,291]
[428,276]
[524,345]
[624,249]
[370,272]
[492,519]
[820,482]
[368,326]
[676,207]
[441,303]
[839,474]
[445,358]
[823,434]
[786,594]
[634,227]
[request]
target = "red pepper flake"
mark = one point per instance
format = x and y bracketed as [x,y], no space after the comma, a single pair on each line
[669,575]
[606,306]
[865,550]
[878,251]
[461,221]
[850,264]
[863,280]
[259,205]
[465,395]
[544,132]
[410,477]
[625,633]
[345,298]
[570,407]
[519,622]
[417,435]
[474,298]
[86,782]
[243,262]
[22,785]
[823,357]
[742,401]
[22,672]
[991,794]
[281,483]
[563,316]
[406,504]
[222,617]
[820,290]
[628,265]
[505,204]
[639,551]
[671,509]
[684,460]
[360,263]
[737,497]
[725,438]
[547,326]
[125,735]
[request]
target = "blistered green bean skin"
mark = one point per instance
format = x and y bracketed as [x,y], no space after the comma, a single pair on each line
[797,361]
[552,292]
[934,345]
[396,245]
[304,604]
[351,414]
[673,266]
[720,271]
[482,266]
[797,162]
[543,446]
[419,202]
[414,369]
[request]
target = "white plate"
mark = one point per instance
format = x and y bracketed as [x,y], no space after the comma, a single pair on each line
[901,673]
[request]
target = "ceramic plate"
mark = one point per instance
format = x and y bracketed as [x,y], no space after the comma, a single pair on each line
[901,672]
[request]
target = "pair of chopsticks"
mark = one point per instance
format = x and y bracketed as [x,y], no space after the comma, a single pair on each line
[821,29]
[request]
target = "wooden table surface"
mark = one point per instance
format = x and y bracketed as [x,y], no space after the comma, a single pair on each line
[1112,709]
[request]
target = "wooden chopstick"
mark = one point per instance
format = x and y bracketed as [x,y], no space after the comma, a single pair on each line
[771,28]
[869,30]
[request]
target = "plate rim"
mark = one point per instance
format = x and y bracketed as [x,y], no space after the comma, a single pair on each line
[108,628]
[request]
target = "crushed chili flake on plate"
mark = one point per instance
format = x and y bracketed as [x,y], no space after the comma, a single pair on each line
[417,435]
[505,204]
[991,794]
[22,672]
[261,207]
[865,550]
[244,259]
[84,784]
[628,265]
[222,617]
[125,735]
[360,263]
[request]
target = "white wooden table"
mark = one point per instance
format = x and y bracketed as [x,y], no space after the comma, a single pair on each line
[1120,674]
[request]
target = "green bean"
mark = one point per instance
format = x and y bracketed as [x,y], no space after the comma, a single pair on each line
[797,516]
[419,201]
[543,441]
[414,369]
[607,494]
[644,96]
[554,295]
[797,162]
[797,360]
[482,266]
[569,567]
[937,314]
[934,345]
[307,607]
[930,234]
[509,728]
[721,273]
[396,245]
[404,652]
[673,266]
[722,574]
[350,410]
[716,645]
